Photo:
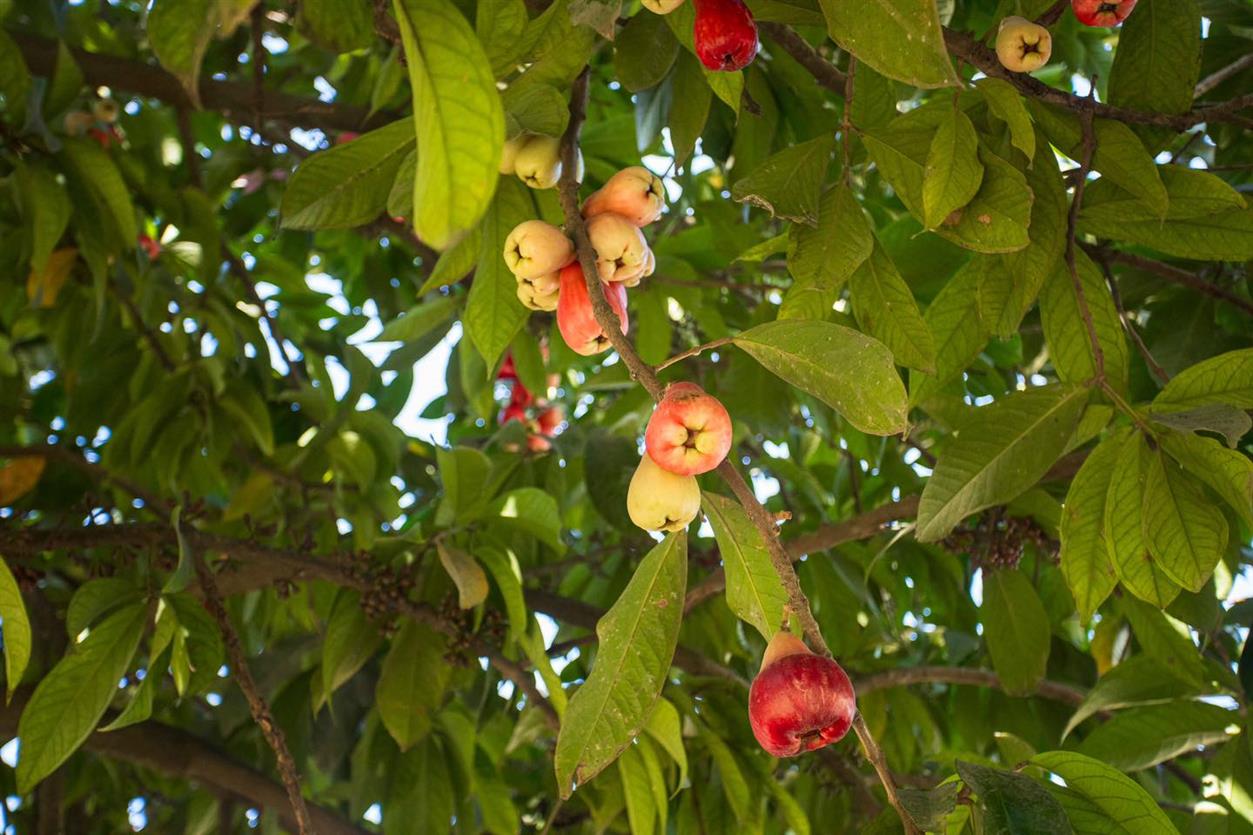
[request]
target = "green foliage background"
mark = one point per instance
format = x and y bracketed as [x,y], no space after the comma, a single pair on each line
[1003,416]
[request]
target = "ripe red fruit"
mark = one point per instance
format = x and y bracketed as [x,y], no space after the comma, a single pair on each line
[150,247]
[507,370]
[689,432]
[725,34]
[550,420]
[575,318]
[521,395]
[512,412]
[1102,12]
[799,701]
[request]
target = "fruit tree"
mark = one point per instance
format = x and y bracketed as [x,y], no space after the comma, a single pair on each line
[626,416]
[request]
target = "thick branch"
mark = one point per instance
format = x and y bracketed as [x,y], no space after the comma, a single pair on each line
[906,676]
[238,100]
[1172,274]
[823,71]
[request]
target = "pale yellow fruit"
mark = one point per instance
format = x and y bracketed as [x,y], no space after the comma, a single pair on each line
[658,500]
[539,293]
[509,153]
[622,254]
[105,110]
[535,248]
[662,6]
[1023,46]
[538,161]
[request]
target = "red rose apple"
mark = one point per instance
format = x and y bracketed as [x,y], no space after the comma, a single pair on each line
[1102,12]
[575,318]
[799,701]
[689,432]
[725,34]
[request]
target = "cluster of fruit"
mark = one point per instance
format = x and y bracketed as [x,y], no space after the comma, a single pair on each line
[1025,46]
[542,420]
[535,159]
[542,258]
[724,34]
[100,123]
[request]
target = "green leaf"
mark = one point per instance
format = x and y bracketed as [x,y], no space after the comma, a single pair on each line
[1120,155]
[788,184]
[1186,534]
[754,592]
[15,628]
[1006,104]
[954,322]
[418,321]
[493,313]
[734,786]
[1167,640]
[14,79]
[412,682]
[1016,628]
[1001,451]
[502,564]
[244,403]
[460,124]
[930,808]
[644,52]
[1085,554]
[1117,795]
[953,172]
[641,810]
[463,471]
[1230,422]
[689,107]
[96,598]
[849,371]
[1070,346]
[180,578]
[900,38]
[1228,473]
[1158,60]
[637,638]
[1124,527]
[501,26]
[45,207]
[532,511]
[179,32]
[139,708]
[828,254]
[347,185]
[535,108]
[1226,378]
[349,641]
[336,25]
[101,182]
[1142,737]
[1013,803]
[1193,194]
[456,262]
[666,728]
[466,573]
[885,308]
[69,701]
[1140,680]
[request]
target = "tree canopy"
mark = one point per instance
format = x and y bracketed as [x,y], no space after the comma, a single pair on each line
[313,521]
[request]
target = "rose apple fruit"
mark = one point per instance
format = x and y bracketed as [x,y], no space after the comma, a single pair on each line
[509,153]
[1023,46]
[575,318]
[799,701]
[724,34]
[1102,12]
[662,6]
[539,293]
[538,162]
[621,251]
[658,500]
[689,432]
[635,193]
[535,248]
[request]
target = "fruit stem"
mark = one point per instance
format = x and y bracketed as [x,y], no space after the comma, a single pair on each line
[875,754]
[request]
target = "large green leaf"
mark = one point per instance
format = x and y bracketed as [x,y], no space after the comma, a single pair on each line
[754,592]
[644,51]
[1013,803]
[179,31]
[1070,346]
[493,313]
[46,208]
[14,78]
[1226,378]
[885,308]
[827,255]
[959,332]
[1158,60]
[849,371]
[349,641]
[1185,532]
[15,628]
[1140,680]
[1002,450]
[641,808]
[1016,628]
[101,183]
[1006,104]
[637,638]
[1193,194]
[1124,526]
[1115,794]
[337,25]
[459,121]
[1085,555]
[900,38]
[532,511]
[1142,737]
[1228,472]
[411,683]
[953,172]
[788,184]
[71,698]
[347,185]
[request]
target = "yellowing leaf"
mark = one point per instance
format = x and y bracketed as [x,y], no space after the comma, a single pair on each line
[466,573]
[18,477]
[42,286]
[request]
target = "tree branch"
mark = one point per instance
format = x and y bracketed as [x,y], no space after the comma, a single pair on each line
[1172,274]
[823,71]
[238,100]
[906,676]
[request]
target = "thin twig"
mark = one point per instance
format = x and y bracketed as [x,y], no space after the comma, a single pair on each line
[1086,153]
[1053,14]
[846,129]
[1129,326]
[875,755]
[1172,274]
[1219,76]
[240,269]
[154,343]
[256,702]
[693,352]
[823,71]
